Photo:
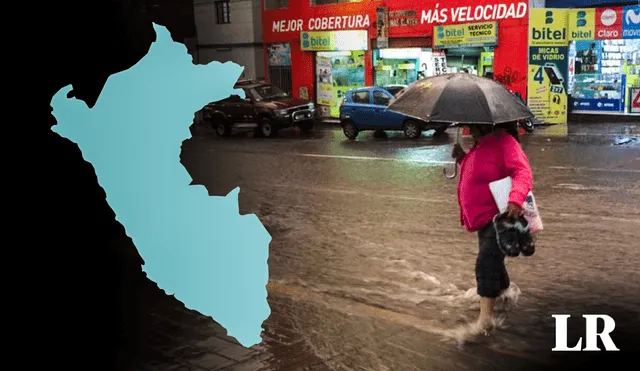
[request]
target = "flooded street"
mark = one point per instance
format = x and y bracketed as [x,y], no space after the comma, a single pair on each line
[370,269]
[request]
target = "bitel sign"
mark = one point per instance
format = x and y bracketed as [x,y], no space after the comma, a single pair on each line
[470,34]
[605,23]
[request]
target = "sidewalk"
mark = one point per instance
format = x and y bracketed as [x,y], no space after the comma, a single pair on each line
[605,133]
[604,128]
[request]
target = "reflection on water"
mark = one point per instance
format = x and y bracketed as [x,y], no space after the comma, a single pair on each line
[431,155]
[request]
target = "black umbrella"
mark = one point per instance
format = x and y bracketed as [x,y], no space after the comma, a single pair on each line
[461,99]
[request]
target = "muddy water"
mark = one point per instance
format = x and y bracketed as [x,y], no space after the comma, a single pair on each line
[369,256]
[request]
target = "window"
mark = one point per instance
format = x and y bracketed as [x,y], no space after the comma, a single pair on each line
[267,92]
[276,4]
[280,76]
[380,98]
[329,2]
[222,11]
[361,97]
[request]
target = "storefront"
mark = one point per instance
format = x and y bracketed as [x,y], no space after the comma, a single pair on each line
[339,65]
[404,40]
[584,61]
[468,47]
[604,59]
[400,66]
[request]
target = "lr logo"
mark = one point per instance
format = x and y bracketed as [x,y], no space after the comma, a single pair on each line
[592,334]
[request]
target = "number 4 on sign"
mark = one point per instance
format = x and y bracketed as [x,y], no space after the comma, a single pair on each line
[538,77]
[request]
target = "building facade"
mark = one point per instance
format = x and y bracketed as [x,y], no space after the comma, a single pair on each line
[584,59]
[230,30]
[331,46]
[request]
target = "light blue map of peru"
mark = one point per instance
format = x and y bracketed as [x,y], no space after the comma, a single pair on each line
[195,246]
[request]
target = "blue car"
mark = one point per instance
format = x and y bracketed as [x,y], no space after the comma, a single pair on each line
[366,109]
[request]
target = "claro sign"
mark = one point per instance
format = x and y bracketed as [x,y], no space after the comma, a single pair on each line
[435,14]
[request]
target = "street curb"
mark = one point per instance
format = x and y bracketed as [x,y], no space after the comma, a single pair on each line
[326,122]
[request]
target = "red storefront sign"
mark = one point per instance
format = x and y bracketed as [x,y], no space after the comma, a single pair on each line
[409,17]
[434,13]
[608,23]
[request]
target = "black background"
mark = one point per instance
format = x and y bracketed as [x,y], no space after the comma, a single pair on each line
[75,293]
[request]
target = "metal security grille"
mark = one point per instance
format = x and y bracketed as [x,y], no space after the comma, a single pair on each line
[280,76]
[222,12]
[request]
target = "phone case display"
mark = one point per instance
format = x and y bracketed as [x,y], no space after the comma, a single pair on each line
[618,53]
[587,58]
[337,73]
[598,92]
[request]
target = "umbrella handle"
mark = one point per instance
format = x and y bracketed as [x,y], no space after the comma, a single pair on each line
[455,170]
[452,176]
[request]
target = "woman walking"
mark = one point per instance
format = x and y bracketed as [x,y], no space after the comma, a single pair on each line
[496,154]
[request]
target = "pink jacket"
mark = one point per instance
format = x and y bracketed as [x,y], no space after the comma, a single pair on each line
[496,156]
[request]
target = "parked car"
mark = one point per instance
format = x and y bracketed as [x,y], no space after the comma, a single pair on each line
[265,108]
[366,109]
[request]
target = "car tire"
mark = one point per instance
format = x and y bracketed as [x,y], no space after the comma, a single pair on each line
[267,129]
[350,130]
[412,129]
[222,128]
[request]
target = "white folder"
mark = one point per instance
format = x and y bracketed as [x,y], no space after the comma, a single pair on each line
[500,189]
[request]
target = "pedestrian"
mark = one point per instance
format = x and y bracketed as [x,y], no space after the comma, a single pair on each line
[496,154]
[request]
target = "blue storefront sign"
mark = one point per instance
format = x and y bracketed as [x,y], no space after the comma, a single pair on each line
[610,105]
[631,22]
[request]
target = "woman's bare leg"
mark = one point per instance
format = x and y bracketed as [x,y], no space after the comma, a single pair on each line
[491,276]
[486,313]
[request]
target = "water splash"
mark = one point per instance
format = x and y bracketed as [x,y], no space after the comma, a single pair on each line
[474,332]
